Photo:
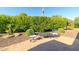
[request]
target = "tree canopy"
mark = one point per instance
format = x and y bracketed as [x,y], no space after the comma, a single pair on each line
[76,21]
[23,22]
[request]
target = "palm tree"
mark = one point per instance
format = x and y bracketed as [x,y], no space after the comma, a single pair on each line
[42,11]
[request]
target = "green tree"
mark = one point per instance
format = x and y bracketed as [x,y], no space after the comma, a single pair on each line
[4,20]
[58,22]
[22,22]
[76,21]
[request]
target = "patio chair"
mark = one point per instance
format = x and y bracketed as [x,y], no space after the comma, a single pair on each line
[34,38]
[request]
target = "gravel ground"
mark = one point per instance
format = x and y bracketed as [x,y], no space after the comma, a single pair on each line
[22,44]
[58,46]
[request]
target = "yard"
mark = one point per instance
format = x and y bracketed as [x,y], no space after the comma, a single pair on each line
[67,41]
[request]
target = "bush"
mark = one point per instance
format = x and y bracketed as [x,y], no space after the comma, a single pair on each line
[70,27]
[29,32]
[61,30]
[22,22]
[9,29]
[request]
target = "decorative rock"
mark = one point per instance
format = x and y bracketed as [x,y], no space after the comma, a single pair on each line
[7,36]
[17,34]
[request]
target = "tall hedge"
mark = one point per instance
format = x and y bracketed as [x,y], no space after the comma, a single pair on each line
[23,22]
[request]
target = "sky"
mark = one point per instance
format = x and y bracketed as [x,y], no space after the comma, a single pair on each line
[69,12]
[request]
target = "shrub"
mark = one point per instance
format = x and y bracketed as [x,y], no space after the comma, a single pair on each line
[61,30]
[22,22]
[70,27]
[9,29]
[29,32]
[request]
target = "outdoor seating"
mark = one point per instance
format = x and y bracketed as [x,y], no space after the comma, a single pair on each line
[55,34]
[39,35]
[44,34]
[49,34]
[33,38]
